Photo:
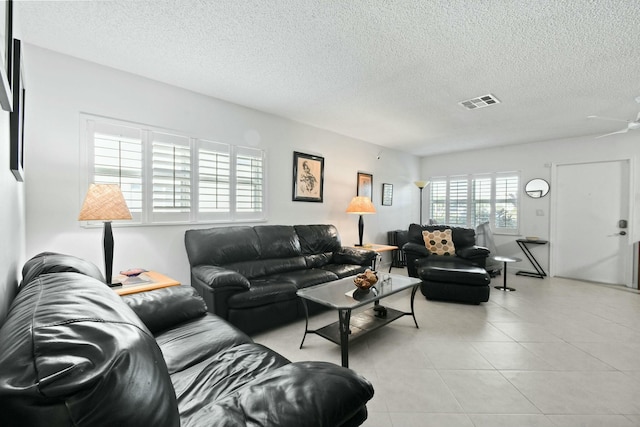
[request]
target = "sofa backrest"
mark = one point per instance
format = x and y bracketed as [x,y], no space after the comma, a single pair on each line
[263,250]
[462,237]
[73,353]
[52,262]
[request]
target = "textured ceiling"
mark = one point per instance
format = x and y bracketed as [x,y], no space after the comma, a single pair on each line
[388,72]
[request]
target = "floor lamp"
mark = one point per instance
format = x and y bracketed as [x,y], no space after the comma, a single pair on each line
[105,202]
[421,185]
[360,205]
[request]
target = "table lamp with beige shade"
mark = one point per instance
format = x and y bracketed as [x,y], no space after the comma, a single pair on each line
[105,202]
[361,205]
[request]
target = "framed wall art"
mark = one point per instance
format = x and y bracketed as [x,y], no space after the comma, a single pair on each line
[308,177]
[365,185]
[6,45]
[387,194]
[16,121]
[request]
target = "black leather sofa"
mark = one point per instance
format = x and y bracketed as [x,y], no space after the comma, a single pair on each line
[250,275]
[460,277]
[74,353]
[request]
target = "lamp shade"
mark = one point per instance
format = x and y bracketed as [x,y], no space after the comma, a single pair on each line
[361,205]
[421,184]
[104,202]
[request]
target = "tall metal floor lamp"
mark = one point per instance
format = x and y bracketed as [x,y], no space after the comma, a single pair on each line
[421,185]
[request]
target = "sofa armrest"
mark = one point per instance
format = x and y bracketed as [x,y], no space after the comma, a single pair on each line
[415,250]
[163,308]
[358,256]
[305,393]
[219,277]
[413,253]
[472,252]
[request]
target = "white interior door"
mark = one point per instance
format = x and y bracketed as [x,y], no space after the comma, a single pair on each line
[589,241]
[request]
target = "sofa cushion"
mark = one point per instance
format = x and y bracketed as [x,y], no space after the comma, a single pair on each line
[263,291]
[77,345]
[182,345]
[318,238]
[221,246]
[345,270]
[221,374]
[266,267]
[278,241]
[305,278]
[439,242]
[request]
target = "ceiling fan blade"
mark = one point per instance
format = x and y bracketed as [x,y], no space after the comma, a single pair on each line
[613,133]
[608,118]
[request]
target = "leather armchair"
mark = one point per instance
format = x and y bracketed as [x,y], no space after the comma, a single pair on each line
[464,240]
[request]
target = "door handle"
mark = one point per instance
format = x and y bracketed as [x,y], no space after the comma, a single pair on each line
[620,233]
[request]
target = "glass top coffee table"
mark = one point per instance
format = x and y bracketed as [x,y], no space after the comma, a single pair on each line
[343,296]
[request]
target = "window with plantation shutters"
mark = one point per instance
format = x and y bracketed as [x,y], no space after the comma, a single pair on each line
[117,158]
[506,211]
[480,200]
[249,170]
[458,201]
[470,200]
[438,198]
[214,184]
[168,177]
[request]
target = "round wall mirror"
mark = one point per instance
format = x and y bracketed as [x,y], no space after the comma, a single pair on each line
[537,188]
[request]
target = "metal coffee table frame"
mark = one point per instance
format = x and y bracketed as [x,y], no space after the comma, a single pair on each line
[334,295]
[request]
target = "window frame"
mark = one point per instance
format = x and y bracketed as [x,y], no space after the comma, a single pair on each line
[471,203]
[193,215]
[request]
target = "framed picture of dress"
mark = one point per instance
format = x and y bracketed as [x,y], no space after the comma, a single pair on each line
[308,177]
[6,46]
[365,185]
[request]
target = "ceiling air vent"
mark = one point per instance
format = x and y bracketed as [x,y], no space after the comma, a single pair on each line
[480,102]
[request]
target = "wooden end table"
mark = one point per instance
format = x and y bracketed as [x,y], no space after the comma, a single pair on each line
[144,282]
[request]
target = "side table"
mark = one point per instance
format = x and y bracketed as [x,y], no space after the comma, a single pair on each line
[505,260]
[144,282]
[539,273]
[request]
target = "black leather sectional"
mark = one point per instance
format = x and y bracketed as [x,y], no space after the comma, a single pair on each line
[74,353]
[250,275]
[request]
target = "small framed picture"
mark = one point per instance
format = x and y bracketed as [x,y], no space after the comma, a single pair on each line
[387,194]
[365,185]
[308,177]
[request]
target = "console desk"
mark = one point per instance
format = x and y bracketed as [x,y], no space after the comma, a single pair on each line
[539,273]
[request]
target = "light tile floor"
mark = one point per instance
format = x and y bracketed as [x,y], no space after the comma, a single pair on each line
[556,352]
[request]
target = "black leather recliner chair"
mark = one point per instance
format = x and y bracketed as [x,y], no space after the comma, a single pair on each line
[460,277]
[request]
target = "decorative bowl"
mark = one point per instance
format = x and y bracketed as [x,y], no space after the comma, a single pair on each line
[366,280]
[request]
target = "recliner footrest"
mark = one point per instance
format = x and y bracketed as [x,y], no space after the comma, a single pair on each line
[454,272]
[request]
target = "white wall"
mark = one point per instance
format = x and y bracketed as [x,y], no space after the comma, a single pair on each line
[60,87]
[536,160]
[12,227]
